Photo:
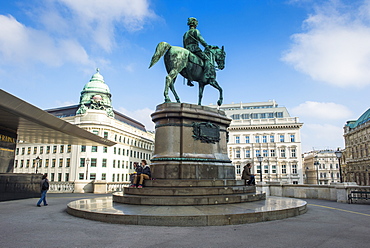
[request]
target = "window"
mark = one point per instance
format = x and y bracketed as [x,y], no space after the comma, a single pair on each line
[46,163]
[94,149]
[114,150]
[103,176]
[272,138]
[69,149]
[47,149]
[35,150]
[60,162]
[247,139]
[113,177]
[81,176]
[247,153]
[118,163]
[282,138]
[54,149]
[235,117]
[258,169]
[17,151]
[295,182]
[263,115]
[294,169]
[83,148]
[41,149]
[105,135]
[282,153]
[264,139]
[270,115]
[292,138]
[52,178]
[237,153]
[238,169]
[279,114]
[245,116]
[257,139]
[93,162]
[272,153]
[265,153]
[96,132]
[92,176]
[28,163]
[15,163]
[82,162]
[21,166]
[53,162]
[273,168]
[33,163]
[114,163]
[293,151]
[237,139]
[266,169]
[254,116]
[28,150]
[258,153]
[59,177]
[61,148]
[104,162]
[105,149]
[66,177]
[68,163]
[283,169]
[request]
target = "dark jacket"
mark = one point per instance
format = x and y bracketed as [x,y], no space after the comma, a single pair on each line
[147,171]
[139,169]
[246,174]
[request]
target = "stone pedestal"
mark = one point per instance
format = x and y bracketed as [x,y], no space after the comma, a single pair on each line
[190,143]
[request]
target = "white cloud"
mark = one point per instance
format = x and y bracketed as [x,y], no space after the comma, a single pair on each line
[98,19]
[324,136]
[20,45]
[141,115]
[322,110]
[335,48]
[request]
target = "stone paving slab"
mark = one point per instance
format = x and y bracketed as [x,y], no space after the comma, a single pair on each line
[103,209]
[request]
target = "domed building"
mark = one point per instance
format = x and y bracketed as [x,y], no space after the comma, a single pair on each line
[80,168]
[356,158]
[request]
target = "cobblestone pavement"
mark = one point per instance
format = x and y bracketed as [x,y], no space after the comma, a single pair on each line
[326,224]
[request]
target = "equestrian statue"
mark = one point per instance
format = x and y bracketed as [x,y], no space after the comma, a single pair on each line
[191,62]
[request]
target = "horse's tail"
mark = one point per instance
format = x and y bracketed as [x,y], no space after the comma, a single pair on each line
[159,52]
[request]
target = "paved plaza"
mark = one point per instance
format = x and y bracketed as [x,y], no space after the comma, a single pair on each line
[326,224]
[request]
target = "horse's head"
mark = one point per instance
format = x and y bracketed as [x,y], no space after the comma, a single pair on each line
[220,55]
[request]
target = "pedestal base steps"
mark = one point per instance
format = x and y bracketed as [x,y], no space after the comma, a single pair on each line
[105,210]
[189,192]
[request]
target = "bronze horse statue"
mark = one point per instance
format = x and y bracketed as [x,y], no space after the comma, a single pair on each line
[180,60]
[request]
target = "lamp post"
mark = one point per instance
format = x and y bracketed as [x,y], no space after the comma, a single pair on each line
[317,170]
[338,153]
[259,158]
[87,167]
[37,163]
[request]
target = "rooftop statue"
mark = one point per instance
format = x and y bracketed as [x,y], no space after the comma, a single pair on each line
[191,62]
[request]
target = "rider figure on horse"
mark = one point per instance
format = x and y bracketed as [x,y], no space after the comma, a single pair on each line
[191,41]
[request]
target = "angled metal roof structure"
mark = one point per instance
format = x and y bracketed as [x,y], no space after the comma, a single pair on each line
[35,125]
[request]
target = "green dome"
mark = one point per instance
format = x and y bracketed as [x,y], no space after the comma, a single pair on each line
[365,117]
[96,84]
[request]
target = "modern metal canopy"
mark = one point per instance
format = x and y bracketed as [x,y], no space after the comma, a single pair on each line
[33,125]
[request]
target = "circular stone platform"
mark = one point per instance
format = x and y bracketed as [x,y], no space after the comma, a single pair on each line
[105,210]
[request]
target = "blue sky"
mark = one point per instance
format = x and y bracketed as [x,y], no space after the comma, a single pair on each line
[311,56]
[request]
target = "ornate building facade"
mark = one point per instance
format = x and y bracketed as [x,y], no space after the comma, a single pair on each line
[321,167]
[267,130]
[356,158]
[71,163]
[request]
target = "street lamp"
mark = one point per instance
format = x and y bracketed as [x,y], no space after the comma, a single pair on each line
[259,158]
[316,163]
[87,167]
[37,163]
[338,153]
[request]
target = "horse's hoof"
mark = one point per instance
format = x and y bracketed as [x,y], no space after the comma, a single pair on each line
[219,102]
[167,100]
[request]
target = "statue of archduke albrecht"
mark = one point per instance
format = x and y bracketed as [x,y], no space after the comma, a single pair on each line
[191,62]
